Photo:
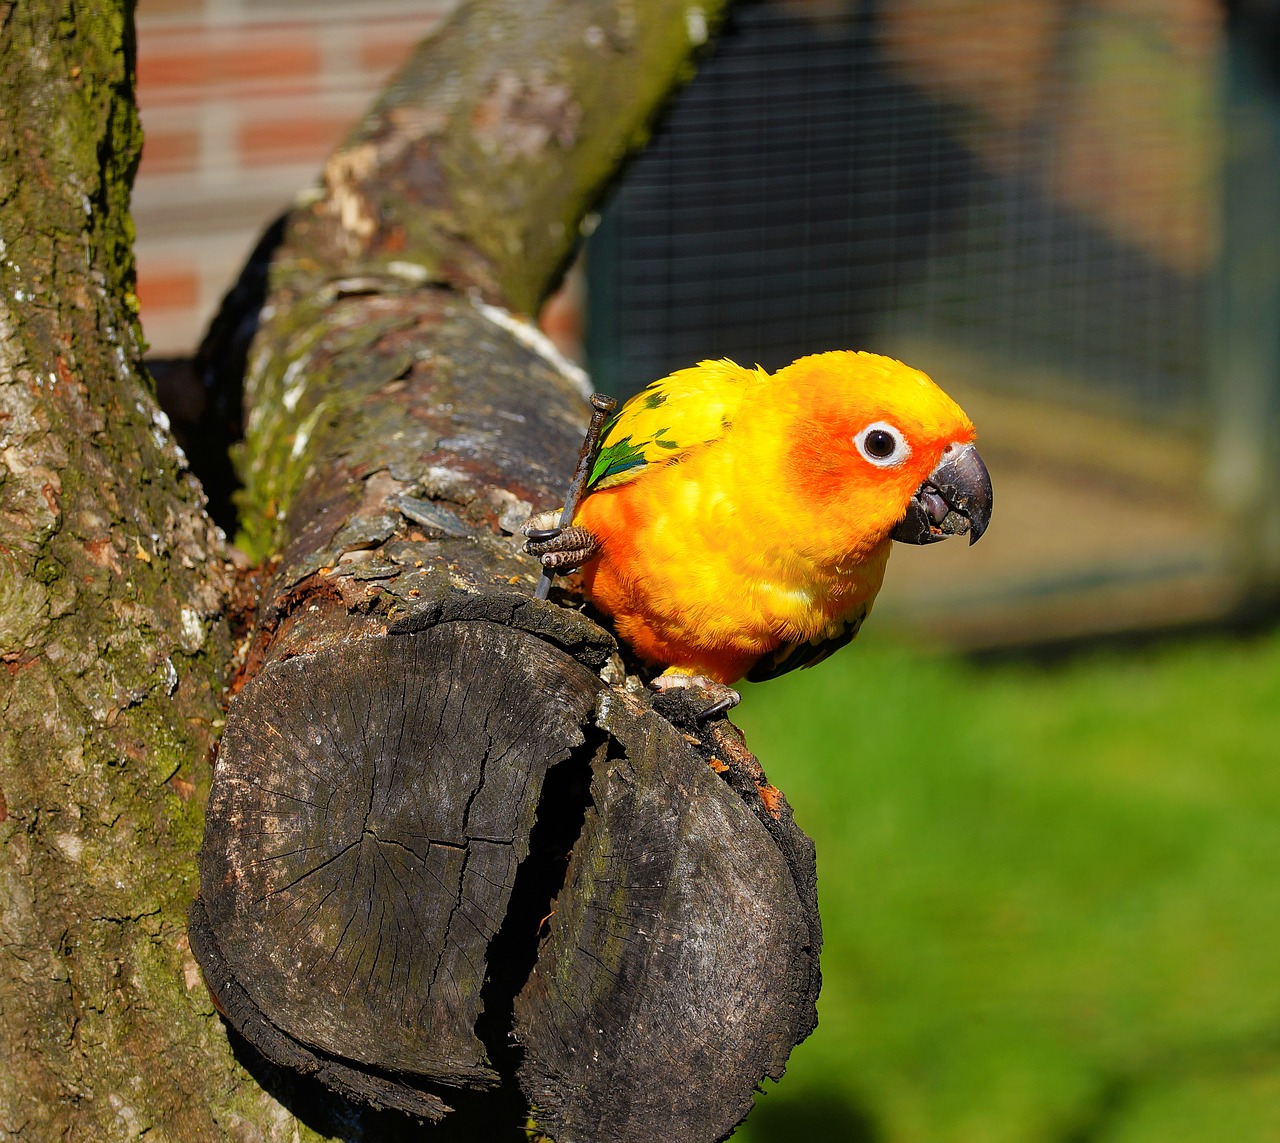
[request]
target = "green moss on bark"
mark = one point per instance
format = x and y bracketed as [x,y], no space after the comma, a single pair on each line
[113,644]
[316,381]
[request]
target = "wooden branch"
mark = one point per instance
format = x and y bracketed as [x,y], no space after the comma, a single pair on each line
[483,155]
[451,844]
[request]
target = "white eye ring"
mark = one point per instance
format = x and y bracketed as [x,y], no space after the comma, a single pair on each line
[882,445]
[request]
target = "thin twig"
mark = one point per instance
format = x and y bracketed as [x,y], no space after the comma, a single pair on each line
[601,407]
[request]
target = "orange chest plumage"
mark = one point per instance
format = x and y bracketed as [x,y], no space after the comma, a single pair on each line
[700,577]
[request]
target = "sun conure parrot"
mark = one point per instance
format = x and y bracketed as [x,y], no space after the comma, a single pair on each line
[737,523]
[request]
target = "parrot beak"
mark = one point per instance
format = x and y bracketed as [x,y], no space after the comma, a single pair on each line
[954,500]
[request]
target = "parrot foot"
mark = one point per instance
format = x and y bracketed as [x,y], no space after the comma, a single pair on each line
[723,697]
[558,549]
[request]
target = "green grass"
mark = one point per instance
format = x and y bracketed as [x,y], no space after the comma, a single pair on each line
[1051,896]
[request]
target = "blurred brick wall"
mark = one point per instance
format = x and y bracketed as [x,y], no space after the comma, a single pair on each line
[241,102]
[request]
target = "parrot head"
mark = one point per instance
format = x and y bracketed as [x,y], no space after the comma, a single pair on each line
[876,451]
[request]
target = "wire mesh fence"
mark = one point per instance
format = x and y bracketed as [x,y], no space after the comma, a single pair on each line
[1024,198]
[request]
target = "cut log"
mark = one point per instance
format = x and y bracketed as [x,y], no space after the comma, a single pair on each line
[683,954]
[452,846]
[450,842]
[364,847]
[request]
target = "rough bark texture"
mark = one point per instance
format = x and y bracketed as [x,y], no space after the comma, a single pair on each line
[481,158]
[452,845]
[113,645]
[680,966]
[363,771]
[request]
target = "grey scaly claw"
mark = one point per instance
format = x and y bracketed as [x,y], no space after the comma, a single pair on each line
[723,697]
[561,549]
[583,545]
[718,709]
[542,526]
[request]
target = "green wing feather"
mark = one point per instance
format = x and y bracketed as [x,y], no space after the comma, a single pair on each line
[691,407]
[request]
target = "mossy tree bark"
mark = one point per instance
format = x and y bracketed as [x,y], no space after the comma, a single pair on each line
[113,642]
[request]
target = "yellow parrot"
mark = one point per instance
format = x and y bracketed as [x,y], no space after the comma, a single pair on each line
[738,523]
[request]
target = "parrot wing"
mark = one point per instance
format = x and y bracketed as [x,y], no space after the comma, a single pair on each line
[792,656]
[691,407]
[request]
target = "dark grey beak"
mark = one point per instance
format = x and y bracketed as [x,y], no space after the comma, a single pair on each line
[954,500]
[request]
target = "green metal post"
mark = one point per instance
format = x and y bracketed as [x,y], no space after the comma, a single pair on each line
[1244,343]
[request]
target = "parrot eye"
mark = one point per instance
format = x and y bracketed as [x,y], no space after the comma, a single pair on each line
[882,445]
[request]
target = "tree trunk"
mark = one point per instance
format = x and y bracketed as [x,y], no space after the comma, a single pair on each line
[112,636]
[452,845]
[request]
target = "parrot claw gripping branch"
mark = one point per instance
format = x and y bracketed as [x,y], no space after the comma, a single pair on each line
[552,538]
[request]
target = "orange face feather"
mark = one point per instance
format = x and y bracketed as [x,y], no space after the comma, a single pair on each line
[744,519]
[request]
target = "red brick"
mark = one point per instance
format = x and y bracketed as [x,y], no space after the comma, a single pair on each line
[383,54]
[227,64]
[167,151]
[168,288]
[291,140]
